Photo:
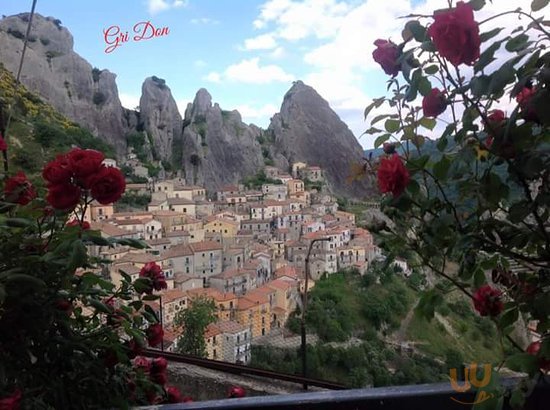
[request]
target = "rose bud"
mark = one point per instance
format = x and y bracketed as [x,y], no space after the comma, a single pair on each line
[434,103]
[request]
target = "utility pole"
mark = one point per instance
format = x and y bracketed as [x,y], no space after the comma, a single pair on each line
[304,309]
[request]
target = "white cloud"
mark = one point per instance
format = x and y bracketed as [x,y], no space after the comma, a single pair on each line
[279,52]
[262,42]
[250,71]
[157,6]
[128,100]
[213,77]
[204,20]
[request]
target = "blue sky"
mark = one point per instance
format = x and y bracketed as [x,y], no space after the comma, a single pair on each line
[245,52]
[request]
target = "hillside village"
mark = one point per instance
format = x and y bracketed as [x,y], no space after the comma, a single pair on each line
[245,249]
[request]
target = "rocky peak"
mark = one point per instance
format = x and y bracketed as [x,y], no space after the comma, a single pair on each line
[159,115]
[202,102]
[62,78]
[307,129]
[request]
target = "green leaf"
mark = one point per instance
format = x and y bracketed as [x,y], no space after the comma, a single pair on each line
[480,85]
[417,30]
[490,34]
[381,139]
[477,4]
[431,69]
[392,125]
[508,318]
[487,57]
[428,46]
[537,5]
[442,144]
[424,86]
[96,240]
[501,78]
[428,302]
[519,211]
[441,168]
[100,306]
[479,278]
[18,222]
[377,102]
[413,187]
[428,123]
[373,130]
[134,243]
[380,118]
[517,43]
[522,362]
[78,255]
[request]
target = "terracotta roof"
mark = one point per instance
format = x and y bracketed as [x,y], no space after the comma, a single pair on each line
[286,271]
[279,284]
[167,213]
[212,293]
[175,234]
[129,221]
[212,330]
[205,246]
[230,326]
[139,258]
[159,241]
[128,268]
[171,295]
[180,201]
[178,251]
[108,229]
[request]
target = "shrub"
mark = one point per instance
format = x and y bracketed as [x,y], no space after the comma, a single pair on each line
[16,33]
[99,98]
[45,41]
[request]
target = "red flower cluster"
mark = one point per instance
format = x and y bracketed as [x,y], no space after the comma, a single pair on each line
[156,368]
[455,34]
[11,402]
[393,176]
[494,123]
[236,392]
[487,301]
[386,54]
[19,190]
[153,272]
[434,103]
[68,175]
[154,333]
[85,225]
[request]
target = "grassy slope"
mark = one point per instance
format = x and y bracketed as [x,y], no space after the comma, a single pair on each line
[37,131]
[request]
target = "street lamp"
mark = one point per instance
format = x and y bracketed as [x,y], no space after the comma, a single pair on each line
[304,309]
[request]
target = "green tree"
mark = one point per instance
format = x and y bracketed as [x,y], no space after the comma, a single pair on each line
[194,321]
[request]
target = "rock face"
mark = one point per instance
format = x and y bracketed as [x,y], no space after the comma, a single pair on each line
[62,78]
[307,129]
[217,147]
[159,116]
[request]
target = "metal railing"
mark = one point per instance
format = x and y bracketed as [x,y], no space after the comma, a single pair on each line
[416,397]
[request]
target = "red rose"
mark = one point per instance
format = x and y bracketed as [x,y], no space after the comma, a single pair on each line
[154,334]
[3,145]
[159,378]
[534,349]
[142,363]
[58,171]
[11,402]
[386,54]
[487,301]
[434,103]
[159,365]
[63,196]
[85,225]
[524,99]
[85,163]
[173,394]
[64,305]
[393,176]
[496,117]
[154,272]
[236,391]
[19,190]
[455,34]
[107,185]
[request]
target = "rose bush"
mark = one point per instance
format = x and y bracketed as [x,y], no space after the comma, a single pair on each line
[68,335]
[474,201]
